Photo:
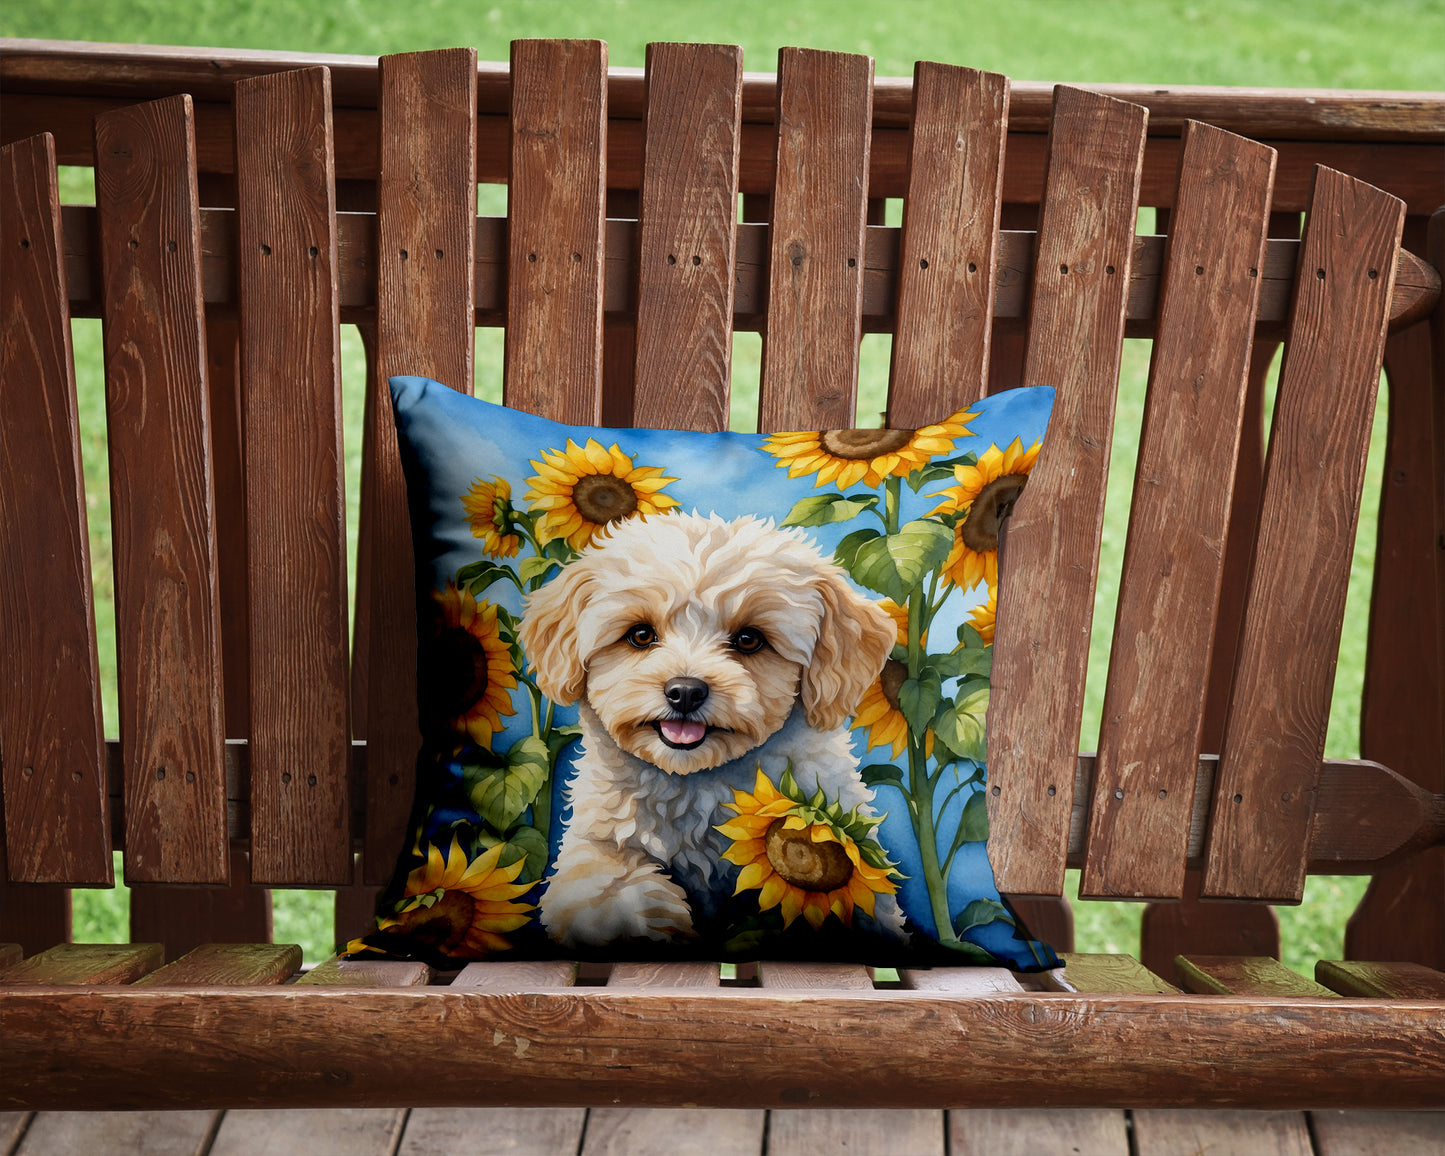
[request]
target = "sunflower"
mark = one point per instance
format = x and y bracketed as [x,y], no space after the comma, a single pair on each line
[981,617]
[582,489]
[899,614]
[985,493]
[489,507]
[878,710]
[848,456]
[467,676]
[460,909]
[802,857]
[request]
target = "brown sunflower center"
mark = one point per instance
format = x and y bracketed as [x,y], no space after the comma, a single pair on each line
[602,498]
[455,676]
[803,863]
[995,501]
[894,675]
[444,924]
[861,444]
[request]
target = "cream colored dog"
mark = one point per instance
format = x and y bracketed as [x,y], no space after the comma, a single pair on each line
[697,649]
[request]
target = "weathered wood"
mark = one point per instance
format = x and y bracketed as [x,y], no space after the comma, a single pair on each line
[959,980]
[1171,1131]
[152,1133]
[168,631]
[84,964]
[1153,713]
[816,260]
[664,975]
[947,266]
[1384,980]
[295,500]
[337,972]
[12,1127]
[674,1132]
[555,205]
[425,258]
[56,819]
[1097,972]
[10,953]
[1275,732]
[687,236]
[897,1131]
[518,975]
[1030,1131]
[788,975]
[1191,925]
[183,918]
[228,963]
[324,1132]
[1338,1133]
[515,1131]
[1243,975]
[34,915]
[1081,276]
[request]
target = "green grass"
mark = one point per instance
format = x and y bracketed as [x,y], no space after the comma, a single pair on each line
[1307,43]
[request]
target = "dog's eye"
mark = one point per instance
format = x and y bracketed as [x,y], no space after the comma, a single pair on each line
[641,636]
[748,640]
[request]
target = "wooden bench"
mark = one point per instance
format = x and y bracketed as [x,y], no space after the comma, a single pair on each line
[246,207]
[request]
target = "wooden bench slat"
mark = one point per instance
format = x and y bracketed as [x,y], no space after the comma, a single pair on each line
[520,975]
[947,264]
[687,236]
[816,260]
[85,963]
[168,640]
[10,953]
[1384,980]
[183,918]
[1099,972]
[1154,701]
[35,915]
[425,257]
[300,821]
[814,976]
[905,1131]
[1275,732]
[1080,284]
[664,975]
[338,972]
[1243,975]
[959,980]
[1168,1131]
[1030,1131]
[556,205]
[57,824]
[228,963]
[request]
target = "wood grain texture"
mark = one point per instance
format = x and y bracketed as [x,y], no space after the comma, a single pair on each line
[949,247]
[317,1132]
[687,236]
[1279,709]
[70,964]
[706,1049]
[1172,1131]
[518,975]
[816,255]
[664,975]
[57,823]
[896,1131]
[555,206]
[131,1133]
[168,631]
[426,218]
[1097,972]
[10,953]
[34,915]
[12,1127]
[183,918]
[514,1131]
[788,975]
[1378,1133]
[1376,929]
[1191,925]
[1383,980]
[295,500]
[1153,715]
[337,972]
[1243,975]
[1081,275]
[674,1132]
[959,980]
[228,963]
[1032,1131]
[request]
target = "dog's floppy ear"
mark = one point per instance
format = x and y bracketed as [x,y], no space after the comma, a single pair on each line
[548,634]
[854,640]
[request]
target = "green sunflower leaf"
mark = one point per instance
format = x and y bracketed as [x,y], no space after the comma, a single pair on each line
[972,952]
[961,663]
[823,509]
[969,638]
[528,842]
[933,472]
[973,823]
[981,912]
[894,565]
[501,794]
[559,737]
[847,550]
[535,567]
[883,775]
[960,724]
[477,576]
[918,699]
[560,549]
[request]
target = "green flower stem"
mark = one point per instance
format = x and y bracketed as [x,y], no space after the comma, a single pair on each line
[890,503]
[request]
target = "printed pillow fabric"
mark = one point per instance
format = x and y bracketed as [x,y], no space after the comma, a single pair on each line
[712,696]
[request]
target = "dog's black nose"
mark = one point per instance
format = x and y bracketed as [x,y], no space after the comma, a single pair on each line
[685,694]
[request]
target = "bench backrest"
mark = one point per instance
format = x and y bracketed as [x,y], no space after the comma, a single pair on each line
[242,697]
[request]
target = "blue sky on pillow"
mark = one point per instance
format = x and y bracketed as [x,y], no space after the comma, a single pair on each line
[785,639]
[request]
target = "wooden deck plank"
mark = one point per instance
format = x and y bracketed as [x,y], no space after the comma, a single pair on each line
[85,964]
[1154,701]
[312,1131]
[12,1127]
[866,1132]
[816,260]
[1345,1133]
[119,1133]
[1384,980]
[425,253]
[674,1132]
[167,614]
[337,972]
[57,819]
[1171,1131]
[295,498]
[482,1131]
[228,963]
[1034,1131]
[687,236]
[1243,975]
[1275,732]
[1076,334]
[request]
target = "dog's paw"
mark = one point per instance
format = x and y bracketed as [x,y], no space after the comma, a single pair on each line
[593,900]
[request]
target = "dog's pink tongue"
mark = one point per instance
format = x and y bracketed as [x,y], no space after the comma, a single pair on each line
[682,732]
